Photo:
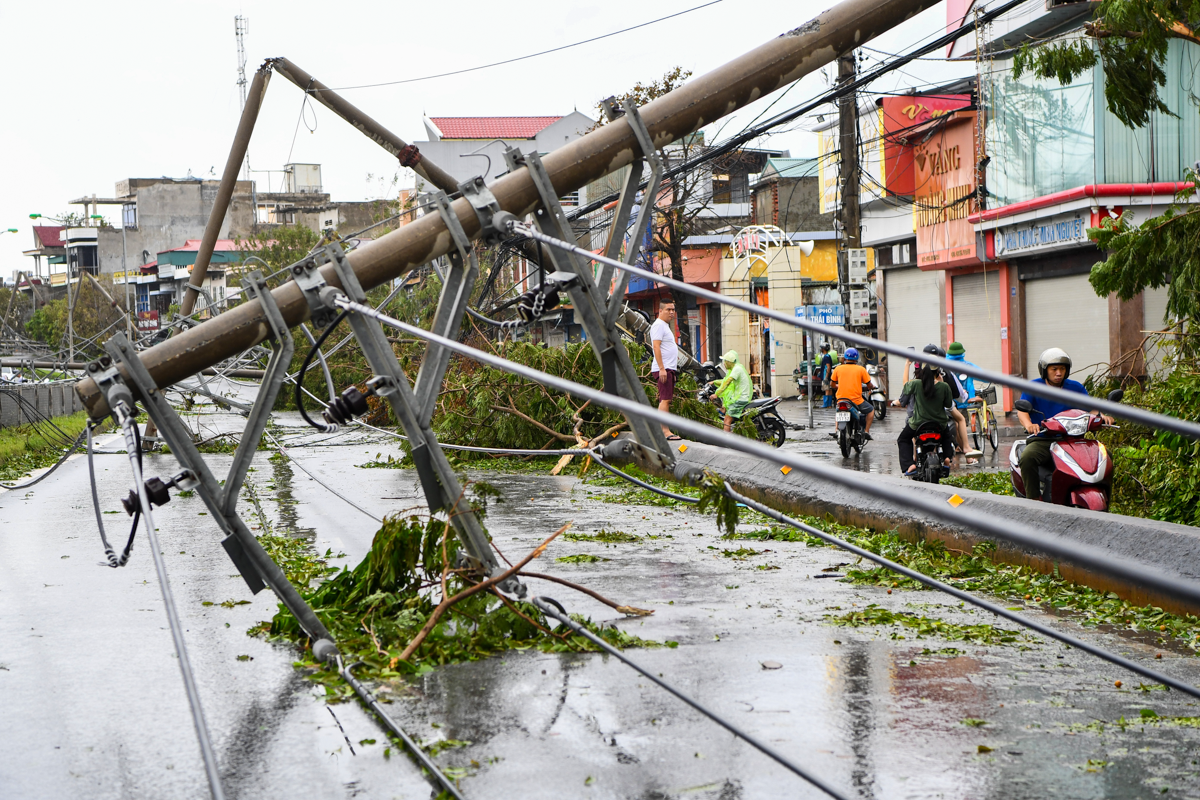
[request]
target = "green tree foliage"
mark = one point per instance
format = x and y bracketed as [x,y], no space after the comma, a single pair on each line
[1155,471]
[278,247]
[643,93]
[478,404]
[1163,251]
[1129,39]
[93,316]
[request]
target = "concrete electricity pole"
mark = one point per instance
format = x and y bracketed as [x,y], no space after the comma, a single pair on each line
[849,212]
[848,145]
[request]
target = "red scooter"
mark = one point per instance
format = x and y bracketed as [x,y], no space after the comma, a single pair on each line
[1082,471]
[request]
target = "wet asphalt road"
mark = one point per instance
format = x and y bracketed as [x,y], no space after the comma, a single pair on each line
[94,707]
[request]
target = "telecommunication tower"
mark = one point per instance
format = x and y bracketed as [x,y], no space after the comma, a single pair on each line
[241,27]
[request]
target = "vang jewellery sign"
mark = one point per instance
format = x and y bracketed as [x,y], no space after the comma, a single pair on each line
[1052,233]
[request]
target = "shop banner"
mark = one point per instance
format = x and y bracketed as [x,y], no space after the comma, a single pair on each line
[1052,233]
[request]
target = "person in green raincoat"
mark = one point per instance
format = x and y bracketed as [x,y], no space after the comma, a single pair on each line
[735,390]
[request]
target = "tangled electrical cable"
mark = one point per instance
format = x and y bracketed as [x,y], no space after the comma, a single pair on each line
[330,425]
[114,560]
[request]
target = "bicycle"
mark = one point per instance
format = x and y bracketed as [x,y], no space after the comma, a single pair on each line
[982,424]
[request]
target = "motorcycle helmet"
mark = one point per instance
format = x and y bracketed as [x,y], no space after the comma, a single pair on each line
[1055,355]
[934,350]
[730,357]
[850,355]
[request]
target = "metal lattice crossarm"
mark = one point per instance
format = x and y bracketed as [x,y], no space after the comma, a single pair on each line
[698,103]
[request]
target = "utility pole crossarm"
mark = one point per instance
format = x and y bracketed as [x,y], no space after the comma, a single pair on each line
[697,103]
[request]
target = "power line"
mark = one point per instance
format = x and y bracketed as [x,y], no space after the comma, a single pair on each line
[798,111]
[531,55]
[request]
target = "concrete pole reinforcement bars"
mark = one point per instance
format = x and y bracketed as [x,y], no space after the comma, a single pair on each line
[697,103]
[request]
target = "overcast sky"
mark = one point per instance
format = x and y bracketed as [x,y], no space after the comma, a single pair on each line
[99,92]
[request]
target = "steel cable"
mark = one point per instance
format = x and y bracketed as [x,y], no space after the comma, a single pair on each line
[1020,534]
[113,559]
[324,485]
[934,583]
[1132,413]
[129,430]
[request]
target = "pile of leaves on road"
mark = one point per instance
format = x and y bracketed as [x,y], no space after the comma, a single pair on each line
[375,610]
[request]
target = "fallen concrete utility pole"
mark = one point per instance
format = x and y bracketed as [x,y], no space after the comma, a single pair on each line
[43,363]
[699,102]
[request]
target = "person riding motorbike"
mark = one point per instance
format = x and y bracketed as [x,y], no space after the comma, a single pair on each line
[735,390]
[956,352]
[848,380]
[1054,365]
[960,395]
[930,397]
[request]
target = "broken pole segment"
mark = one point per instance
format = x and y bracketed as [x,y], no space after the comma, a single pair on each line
[408,155]
[697,103]
[237,155]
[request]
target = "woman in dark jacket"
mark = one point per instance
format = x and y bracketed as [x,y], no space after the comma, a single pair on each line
[929,396]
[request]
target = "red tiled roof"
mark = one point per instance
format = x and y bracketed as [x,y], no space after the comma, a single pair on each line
[492,127]
[221,246]
[47,235]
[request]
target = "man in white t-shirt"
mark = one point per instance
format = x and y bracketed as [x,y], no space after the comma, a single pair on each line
[666,358]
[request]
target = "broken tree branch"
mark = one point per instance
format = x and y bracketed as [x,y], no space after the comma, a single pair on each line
[629,610]
[444,606]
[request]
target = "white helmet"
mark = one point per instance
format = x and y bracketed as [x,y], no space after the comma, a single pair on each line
[1054,355]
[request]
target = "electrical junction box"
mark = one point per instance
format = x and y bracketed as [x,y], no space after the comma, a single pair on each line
[860,308]
[856,267]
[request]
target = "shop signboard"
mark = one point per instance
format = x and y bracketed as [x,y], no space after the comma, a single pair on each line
[1036,236]
[903,128]
[945,195]
[147,321]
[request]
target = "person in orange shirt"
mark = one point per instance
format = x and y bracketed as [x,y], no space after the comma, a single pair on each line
[848,380]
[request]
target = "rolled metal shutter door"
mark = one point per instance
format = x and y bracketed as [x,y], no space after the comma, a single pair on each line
[912,305]
[1065,312]
[977,318]
[1154,310]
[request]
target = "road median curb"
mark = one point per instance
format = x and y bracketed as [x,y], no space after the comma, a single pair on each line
[1165,547]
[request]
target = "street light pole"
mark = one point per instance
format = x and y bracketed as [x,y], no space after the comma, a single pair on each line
[125,269]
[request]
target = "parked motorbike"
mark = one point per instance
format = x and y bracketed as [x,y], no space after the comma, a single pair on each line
[876,395]
[928,454]
[768,424]
[1081,475]
[850,432]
